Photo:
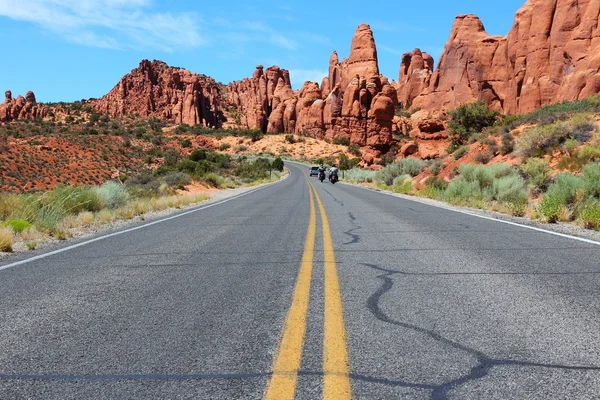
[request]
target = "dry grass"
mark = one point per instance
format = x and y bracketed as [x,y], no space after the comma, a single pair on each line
[7,238]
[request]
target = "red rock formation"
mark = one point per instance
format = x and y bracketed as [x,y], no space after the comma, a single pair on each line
[21,107]
[173,94]
[551,54]
[415,74]
[258,97]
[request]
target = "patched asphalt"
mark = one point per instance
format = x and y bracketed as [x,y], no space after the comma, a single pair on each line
[437,305]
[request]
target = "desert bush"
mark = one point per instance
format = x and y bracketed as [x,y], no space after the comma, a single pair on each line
[484,157]
[359,175]
[186,143]
[290,139]
[224,146]
[470,119]
[537,172]
[112,194]
[590,180]
[402,184]
[197,155]
[6,239]
[344,141]
[538,140]
[277,164]
[8,204]
[213,180]
[435,166]
[177,179]
[171,156]
[508,143]
[17,225]
[560,195]
[570,145]
[187,166]
[480,183]
[460,152]
[354,149]
[589,213]
[407,166]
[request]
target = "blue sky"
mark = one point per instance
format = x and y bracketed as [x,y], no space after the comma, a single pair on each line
[66,50]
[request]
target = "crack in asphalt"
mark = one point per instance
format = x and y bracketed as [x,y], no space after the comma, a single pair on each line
[484,362]
[334,198]
[354,237]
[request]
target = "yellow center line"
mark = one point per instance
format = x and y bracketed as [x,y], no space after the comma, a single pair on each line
[289,353]
[336,365]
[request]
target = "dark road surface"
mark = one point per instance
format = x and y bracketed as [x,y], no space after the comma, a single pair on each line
[436,305]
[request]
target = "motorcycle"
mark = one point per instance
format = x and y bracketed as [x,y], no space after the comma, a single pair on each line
[321,176]
[333,177]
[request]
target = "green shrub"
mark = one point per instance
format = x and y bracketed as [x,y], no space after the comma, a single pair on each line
[112,194]
[224,146]
[537,172]
[461,191]
[277,164]
[290,139]
[171,156]
[477,184]
[186,143]
[177,179]
[539,140]
[508,143]
[470,119]
[354,149]
[551,207]
[460,152]
[197,155]
[359,175]
[484,157]
[17,225]
[213,180]
[570,145]
[435,167]
[402,184]
[590,178]
[589,213]
[344,141]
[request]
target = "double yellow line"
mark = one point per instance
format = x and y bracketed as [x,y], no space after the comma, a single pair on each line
[336,369]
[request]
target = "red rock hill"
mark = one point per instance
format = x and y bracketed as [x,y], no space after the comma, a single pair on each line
[173,94]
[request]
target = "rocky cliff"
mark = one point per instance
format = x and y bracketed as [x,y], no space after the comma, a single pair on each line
[173,94]
[551,54]
[21,107]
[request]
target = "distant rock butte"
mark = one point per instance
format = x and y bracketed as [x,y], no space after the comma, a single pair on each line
[173,94]
[354,101]
[21,108]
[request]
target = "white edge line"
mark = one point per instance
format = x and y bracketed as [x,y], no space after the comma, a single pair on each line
[74,246]
[417,200]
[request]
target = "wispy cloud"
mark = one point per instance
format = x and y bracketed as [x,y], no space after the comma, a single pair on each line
[389,49]
[117,24]
[299,76]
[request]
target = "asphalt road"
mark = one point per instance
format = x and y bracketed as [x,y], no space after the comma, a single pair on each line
[244,299]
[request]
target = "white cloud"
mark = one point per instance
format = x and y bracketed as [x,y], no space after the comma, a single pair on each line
[122,24]
[299,76]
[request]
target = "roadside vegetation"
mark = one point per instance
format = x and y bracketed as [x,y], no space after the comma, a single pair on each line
[34,218]
[544,165]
